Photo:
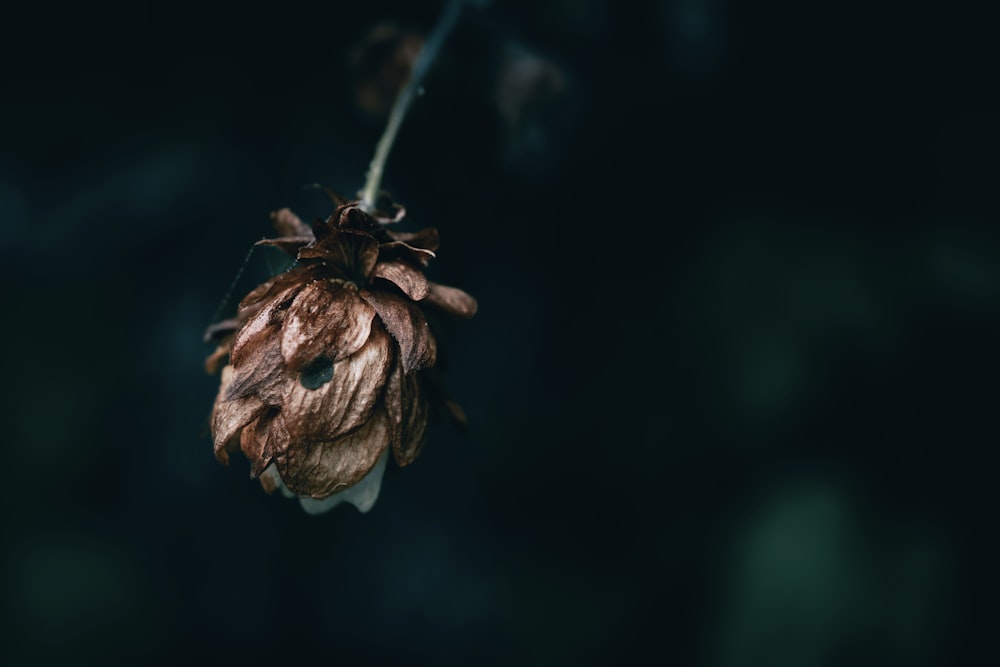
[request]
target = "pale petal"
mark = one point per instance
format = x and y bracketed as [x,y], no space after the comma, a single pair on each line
[271,481]
[362,495]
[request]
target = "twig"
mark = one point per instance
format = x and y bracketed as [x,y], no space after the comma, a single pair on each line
[402,104]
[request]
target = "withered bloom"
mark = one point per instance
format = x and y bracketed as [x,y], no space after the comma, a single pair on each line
[325,361]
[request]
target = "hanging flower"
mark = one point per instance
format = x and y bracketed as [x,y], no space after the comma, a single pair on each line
[325,361]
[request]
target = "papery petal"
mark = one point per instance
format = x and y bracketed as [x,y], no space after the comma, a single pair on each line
[352,253]
[344,402]
[287,223]
[362,495]
[407,407]
[230,416]
[256,354]
[451,300]
[218,357]
[407,324]
[353,217]
[263,439]
[426,238]
[395,249]
[317,469]
[457,415]
[386,211]
[326,319]
[271,288]
[405,276]
[221,329]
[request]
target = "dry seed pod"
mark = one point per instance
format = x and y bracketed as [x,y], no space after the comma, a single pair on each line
[324,361]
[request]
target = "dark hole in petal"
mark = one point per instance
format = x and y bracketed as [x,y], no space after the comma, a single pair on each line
[317,373]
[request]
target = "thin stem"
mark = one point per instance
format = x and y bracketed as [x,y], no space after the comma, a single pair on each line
[404,99]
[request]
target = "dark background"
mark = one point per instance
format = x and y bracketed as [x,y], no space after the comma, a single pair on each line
[731,389]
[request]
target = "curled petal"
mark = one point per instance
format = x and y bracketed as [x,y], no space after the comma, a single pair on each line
[451,300]
[263,439]
[345,400]
[218,357]
[407,324]
[407,407]
[405,276]
[220,330]
[256,354]
[317,469]
[230,416]
[426,238]
[326,319]
[395,249]
[287,223]
[261,295]
[386,211]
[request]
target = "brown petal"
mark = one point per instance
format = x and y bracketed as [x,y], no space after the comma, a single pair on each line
[259,296]
[263,439]
[256,355]
[344,402]
[457,415]
[228,417]
[289,244]
[426,238]
[406,322]
[406,405]
[451,300]
[405,276]
[287,223]
[335,198]
[395,249]
[326,319]
[351,252]
[218,357]
[317,469]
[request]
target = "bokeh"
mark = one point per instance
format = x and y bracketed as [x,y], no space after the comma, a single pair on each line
[731,388]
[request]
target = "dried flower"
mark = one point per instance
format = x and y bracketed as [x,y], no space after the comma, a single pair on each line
[324,360]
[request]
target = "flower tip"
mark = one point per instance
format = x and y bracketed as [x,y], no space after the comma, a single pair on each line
[362,495]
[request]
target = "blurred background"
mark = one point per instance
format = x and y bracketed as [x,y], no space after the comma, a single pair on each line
[731,388]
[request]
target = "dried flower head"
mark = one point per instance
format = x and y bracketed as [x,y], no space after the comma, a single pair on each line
[325,361]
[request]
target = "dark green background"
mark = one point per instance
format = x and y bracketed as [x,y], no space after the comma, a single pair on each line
[732,385]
